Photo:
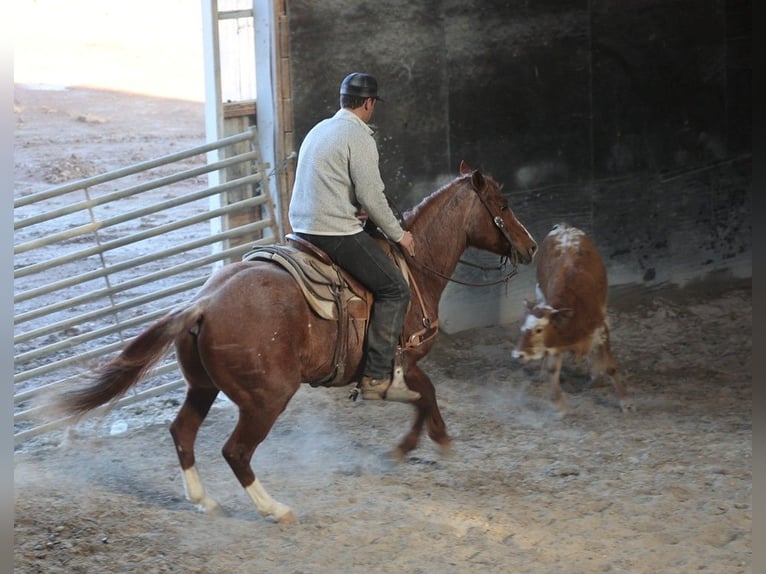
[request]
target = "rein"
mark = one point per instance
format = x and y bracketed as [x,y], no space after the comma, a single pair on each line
[503,262]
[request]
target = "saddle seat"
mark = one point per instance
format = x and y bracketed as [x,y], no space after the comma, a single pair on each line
[328,289]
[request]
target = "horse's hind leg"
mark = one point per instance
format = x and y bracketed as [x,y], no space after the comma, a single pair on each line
[184,432]
[252,427]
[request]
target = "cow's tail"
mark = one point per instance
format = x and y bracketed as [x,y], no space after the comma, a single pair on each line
[115,377]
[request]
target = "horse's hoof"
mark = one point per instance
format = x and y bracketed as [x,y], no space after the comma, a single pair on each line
[216,511]
[288,518]
[446,448]
[210,507]
[398,454]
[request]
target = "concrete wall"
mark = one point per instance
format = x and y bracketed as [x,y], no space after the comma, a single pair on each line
[631,120]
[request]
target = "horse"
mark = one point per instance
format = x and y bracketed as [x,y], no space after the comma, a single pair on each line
[250,334]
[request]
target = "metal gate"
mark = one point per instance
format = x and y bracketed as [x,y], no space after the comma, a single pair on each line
[97,260]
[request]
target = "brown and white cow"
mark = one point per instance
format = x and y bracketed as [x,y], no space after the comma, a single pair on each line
[570,313]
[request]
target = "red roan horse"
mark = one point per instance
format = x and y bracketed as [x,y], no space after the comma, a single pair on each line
[250,333]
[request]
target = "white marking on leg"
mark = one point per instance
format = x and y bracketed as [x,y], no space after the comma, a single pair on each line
[195,492]
[266,505]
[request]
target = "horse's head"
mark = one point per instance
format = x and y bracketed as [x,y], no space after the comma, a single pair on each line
[495,227]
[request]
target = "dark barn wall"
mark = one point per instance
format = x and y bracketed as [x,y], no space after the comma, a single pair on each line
[402,44]
[630,120]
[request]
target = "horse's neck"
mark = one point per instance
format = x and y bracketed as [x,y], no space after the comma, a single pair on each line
[438,226]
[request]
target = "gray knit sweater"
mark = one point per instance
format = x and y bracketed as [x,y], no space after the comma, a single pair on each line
[337,173]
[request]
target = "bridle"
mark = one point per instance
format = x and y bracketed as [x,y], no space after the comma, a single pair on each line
[504,259]
[431,325]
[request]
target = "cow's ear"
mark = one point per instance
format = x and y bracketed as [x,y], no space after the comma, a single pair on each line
[561,316]
[529,305]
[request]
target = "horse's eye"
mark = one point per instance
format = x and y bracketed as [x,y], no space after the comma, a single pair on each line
[504,207]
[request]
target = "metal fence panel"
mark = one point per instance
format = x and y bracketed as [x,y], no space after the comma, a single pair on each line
[97,260]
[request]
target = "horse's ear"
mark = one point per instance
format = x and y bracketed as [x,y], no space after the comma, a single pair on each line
[477,179]
[464,167]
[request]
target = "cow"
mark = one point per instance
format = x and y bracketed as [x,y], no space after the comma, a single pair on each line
[569,316]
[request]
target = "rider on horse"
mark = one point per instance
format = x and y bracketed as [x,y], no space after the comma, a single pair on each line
[337,185]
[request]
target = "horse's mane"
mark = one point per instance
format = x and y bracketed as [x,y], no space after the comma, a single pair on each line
[438,196]
[433,198]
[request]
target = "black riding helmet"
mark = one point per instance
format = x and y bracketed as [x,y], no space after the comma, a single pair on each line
[359,84]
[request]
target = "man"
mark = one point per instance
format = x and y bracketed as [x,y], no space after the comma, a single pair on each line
[337,184]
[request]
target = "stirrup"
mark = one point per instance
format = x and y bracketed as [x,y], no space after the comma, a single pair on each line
[398,391]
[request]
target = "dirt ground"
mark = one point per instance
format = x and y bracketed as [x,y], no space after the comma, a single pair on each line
[667,488]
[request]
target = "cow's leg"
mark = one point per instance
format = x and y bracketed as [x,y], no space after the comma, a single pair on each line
[553,364]
[597,366]
[610,366]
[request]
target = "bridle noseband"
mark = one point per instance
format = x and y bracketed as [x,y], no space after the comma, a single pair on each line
[498,221]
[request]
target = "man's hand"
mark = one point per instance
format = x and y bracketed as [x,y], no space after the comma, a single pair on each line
[408,243]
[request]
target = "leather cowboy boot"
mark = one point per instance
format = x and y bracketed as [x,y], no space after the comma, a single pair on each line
[395,389]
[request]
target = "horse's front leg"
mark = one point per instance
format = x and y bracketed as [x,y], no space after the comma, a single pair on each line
[426,412]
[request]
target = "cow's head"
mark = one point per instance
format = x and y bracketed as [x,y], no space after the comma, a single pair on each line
[539,326]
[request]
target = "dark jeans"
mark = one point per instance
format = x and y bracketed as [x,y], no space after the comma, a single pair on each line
[361,256]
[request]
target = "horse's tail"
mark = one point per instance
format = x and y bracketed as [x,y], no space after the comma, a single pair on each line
[115,377]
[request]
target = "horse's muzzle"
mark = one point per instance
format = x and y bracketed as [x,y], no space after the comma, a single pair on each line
[525,257]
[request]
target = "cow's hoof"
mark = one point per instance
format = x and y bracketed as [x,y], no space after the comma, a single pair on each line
[627,405]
